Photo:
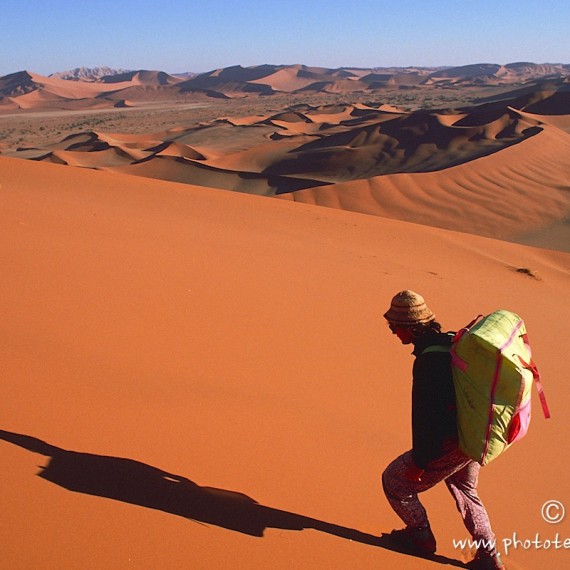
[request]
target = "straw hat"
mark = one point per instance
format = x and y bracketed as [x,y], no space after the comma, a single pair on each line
[408,309]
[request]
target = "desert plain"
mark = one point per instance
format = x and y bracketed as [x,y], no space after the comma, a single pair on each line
[196,369]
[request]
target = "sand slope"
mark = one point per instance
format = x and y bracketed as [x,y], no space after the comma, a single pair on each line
[215,367]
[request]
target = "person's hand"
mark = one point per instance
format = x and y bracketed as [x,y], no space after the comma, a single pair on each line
[413,473]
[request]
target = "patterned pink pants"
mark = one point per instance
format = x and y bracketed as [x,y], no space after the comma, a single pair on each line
[460,475]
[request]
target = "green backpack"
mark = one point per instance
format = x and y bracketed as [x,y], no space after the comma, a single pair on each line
[493,373]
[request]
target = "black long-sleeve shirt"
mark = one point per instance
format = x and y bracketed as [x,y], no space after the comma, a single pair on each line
[433,400]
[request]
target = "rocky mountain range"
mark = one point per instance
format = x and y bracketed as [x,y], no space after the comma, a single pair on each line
[88,73]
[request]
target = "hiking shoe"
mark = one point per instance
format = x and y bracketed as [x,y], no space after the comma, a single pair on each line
[420,540]
[487,561]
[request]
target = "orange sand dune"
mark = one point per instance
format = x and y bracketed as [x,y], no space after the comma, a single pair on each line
[519,191]
[287,79]
[560,121]
[551,99]
[49,100]
[335,114]
[96,150]
[8,104]
[100,158]
[175,168]
[151,77]
[258,158]
[243,121]
[133,140]
[202,379]
[221,137]
[179,169]
[178,149]
[75,89]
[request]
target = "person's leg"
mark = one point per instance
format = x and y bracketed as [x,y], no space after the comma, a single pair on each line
[402,494]
[463,486]
[460,474]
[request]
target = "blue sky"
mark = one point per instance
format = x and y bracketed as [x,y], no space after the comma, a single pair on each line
[46,36]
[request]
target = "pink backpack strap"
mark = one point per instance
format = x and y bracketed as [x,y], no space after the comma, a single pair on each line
[536,375]
[537,381]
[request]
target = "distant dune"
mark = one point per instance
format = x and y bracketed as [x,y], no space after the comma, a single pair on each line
[499,169]
[109,85]
[518,194]
[56,93]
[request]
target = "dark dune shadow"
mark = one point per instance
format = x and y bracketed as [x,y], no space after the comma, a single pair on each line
[136,483]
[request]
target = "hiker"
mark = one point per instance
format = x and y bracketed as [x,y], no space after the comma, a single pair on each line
[435,455]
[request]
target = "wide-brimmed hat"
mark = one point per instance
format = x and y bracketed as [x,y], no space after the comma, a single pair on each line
[408,309]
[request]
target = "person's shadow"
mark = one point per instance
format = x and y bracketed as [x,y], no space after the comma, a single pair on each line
[134,482]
